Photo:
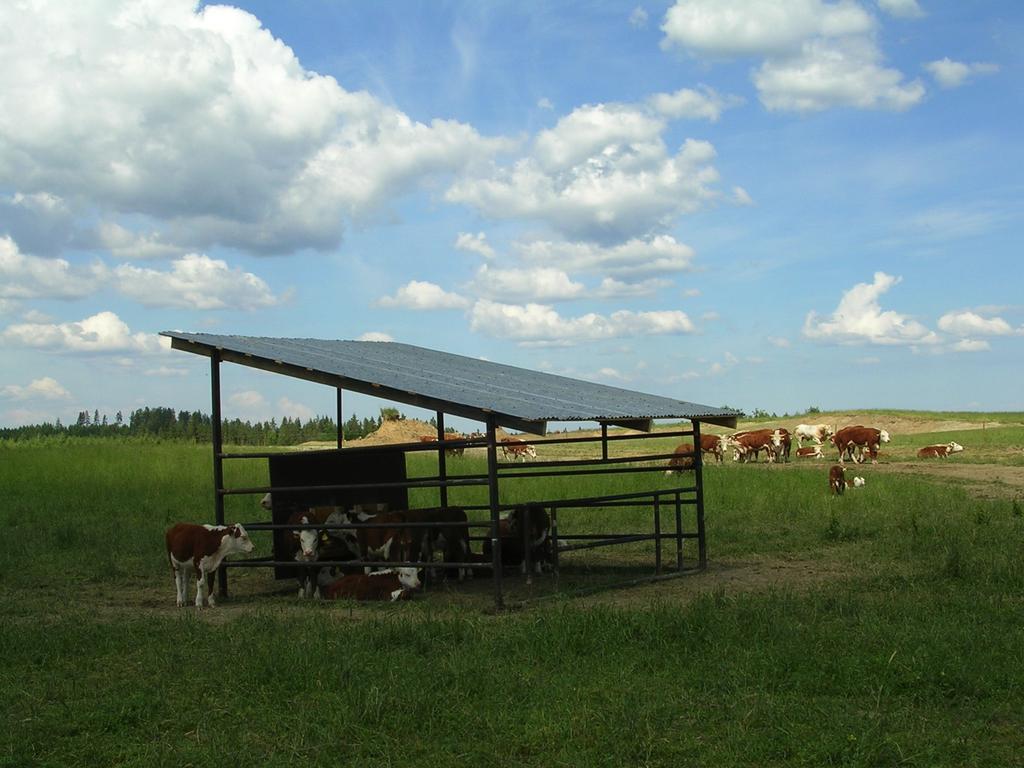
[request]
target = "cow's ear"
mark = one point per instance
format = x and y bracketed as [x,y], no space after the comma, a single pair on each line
[235,532]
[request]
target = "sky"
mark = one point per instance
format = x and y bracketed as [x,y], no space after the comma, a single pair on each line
[761,204]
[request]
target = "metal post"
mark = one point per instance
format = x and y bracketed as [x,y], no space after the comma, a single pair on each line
[679,532]
[442,463]
[341,431]
[698,468]
[604,441]
[554,539]
[657,535]
[218,462]
[492,486]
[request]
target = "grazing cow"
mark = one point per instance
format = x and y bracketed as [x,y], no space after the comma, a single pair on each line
[510,531]
[715,445]
[939,451]
[451,540]
[683,458]
[201,548]
[816,433]
[811,452]
[837,479]
[518,449]
[860,438]
[750,444]
[390,584]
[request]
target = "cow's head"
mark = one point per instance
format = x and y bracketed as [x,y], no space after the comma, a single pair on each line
[777,438]
[955,447]
[308,540]
[408,577]
[239,540]
[267,502]
[883,436]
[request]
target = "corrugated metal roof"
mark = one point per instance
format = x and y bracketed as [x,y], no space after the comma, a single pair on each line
[464,386]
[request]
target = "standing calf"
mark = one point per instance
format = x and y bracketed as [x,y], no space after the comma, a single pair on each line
[837,479]
[201,548]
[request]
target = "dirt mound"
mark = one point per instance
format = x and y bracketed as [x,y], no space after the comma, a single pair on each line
[399,431]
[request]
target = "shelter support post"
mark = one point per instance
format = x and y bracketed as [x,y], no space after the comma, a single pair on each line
[442,464]
[492,487]
[679,532]
[698,468]
[657,536]
[218,461]
[341,430]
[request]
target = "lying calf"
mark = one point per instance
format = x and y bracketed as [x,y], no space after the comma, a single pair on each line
[391,584]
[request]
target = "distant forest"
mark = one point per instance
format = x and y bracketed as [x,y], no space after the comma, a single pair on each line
[194,426]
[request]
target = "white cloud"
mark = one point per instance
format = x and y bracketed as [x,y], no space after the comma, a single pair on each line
[195,281]
[40,222]
[691,293]
[725,28]
[294,410]
[201,120]
[103,333]
[631,260]
[474,244]
[638,17]
[375,336]
[902,9]
[780,342]
[248,400]
[816,55]
[860,319]
[969,345]
[417,294]
[741,197]
[953,74]
[610,288]
[826,74]
[540,323]
[706,104]
[602,172]
[31,277]
[535,284]
[44,388]
[870,360]
[125,244]
[165,371]
[972,324]
[545,103]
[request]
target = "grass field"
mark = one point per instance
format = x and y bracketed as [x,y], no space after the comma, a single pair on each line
[881,628]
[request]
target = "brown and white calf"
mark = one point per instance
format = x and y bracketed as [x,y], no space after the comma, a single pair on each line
[815,433]
[390,584]
[311,544]
[201,549]
[715,445]
[861,438]
[781,444]
[535,520]
[683,458]
[517,449]
[747,445]
[837,479]
[810,452]
[449,535]
[940,451]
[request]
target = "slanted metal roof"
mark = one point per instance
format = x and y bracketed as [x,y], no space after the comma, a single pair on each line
[464,386]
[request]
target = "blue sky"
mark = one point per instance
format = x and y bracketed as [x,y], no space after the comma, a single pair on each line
[753,203]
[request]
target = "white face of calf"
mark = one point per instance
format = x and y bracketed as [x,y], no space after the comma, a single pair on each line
[408,577]
[955,447]
[237,540]
[309,541]
[883,436]
[267,502]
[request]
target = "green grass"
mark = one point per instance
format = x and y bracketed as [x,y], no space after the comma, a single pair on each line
[906,652]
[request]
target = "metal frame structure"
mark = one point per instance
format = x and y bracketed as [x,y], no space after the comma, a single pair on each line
[241,350]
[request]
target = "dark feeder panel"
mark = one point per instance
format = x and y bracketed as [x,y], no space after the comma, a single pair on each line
[331,468]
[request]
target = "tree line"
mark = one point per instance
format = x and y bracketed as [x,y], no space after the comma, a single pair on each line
[195,426]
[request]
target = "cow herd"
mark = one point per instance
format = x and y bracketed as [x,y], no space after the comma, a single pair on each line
[363,539]
[512,448]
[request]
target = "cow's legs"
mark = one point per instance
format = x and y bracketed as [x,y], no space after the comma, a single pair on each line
[180,584]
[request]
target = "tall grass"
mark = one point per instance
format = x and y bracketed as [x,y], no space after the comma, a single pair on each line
[908,653]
